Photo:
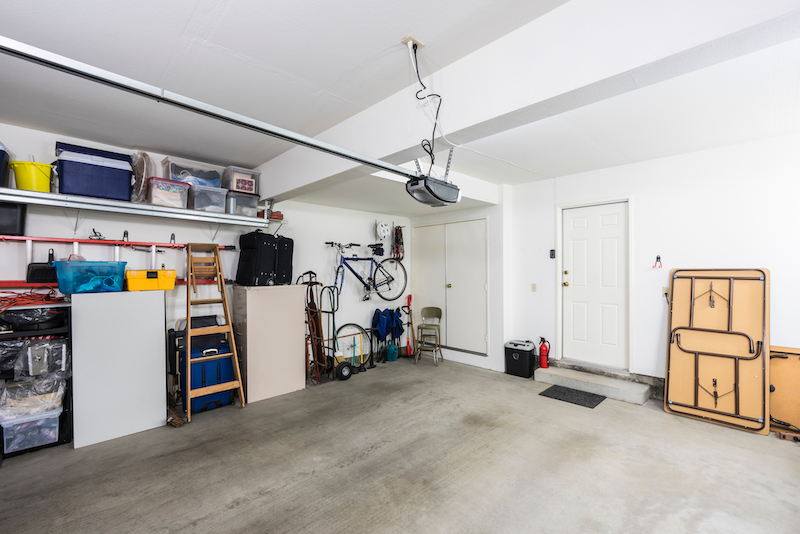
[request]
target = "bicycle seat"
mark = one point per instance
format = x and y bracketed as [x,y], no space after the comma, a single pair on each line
[376,245]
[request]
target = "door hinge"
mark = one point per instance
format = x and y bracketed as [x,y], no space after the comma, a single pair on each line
[486,338]
[486,287]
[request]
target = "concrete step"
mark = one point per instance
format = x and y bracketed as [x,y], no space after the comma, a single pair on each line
[613,388]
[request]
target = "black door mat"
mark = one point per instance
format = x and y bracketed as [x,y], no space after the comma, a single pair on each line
[581,398]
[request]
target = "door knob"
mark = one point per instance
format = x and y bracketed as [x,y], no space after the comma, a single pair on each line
[566,272]
[449,285]
[565,284]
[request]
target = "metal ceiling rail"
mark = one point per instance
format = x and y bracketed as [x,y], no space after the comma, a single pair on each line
[82,70]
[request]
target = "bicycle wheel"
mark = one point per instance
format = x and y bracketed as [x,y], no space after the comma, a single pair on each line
[354,343]
[390,279]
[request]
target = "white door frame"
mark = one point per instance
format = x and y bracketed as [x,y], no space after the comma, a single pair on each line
[559,349]
[488,276]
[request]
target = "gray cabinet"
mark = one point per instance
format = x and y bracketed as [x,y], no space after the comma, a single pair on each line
[269,323]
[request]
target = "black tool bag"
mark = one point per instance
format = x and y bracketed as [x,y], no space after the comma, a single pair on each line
[258,252]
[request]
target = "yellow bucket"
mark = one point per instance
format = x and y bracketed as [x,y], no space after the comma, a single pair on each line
[31,176]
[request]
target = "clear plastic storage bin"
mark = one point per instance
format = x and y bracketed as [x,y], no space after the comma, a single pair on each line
[207,198]
[89,276]
[30,431]
[192,172]
[169,193]
[240,179]
[242,204]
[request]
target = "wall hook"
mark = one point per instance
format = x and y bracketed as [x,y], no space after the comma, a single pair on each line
[657,264]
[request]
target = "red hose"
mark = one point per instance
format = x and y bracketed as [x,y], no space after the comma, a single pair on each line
[9,299]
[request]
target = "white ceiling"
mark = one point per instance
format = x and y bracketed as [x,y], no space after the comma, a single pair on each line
[304,66]
[747,98]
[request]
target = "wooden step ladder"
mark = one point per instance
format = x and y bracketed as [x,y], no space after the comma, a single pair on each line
[208,267]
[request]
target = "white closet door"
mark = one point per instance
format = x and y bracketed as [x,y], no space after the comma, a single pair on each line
[429,271]
[466,286]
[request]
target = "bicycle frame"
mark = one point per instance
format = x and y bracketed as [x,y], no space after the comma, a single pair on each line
[374,267]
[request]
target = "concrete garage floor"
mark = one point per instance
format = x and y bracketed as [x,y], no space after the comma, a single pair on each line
[407,448]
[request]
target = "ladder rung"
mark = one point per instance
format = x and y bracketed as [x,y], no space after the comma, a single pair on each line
[210,390]
[214,357]
[209,330]
[207,301]
[202,247]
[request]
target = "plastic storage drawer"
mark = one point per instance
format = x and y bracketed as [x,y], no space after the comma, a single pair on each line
[96,173]
[30,431]
[242,204]
[150,280]
[241,180]
[520,358]
[169,193]
[192,172]
[207,198]
[89,276]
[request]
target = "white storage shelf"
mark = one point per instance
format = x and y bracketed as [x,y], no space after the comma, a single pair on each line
[98,204]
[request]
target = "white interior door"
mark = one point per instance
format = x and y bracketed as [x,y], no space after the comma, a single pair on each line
[429,271]
[595,285]
[466,286]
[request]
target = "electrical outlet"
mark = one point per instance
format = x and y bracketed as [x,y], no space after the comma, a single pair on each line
[665,291]
[533,288]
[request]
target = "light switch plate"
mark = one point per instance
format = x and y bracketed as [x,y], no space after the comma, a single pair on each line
[533,288]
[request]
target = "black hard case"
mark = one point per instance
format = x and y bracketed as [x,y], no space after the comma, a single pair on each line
[283,261]
[264,260]
[257,258]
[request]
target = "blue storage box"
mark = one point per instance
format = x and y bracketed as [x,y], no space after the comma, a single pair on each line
[208,373]
[91,172]
[90,276]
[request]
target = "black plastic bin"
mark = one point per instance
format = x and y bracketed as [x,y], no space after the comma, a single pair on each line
[12,218]
[521,358]
[3,168]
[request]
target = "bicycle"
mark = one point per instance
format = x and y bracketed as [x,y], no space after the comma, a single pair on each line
[387,278]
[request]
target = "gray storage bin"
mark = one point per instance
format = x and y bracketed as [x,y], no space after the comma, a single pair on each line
[242,204]
[207,198]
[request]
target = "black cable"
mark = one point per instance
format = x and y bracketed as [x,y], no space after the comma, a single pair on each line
[427,145]
[783,423]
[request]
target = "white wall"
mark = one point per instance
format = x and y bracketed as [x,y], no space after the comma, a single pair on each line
[496,251]
[730,207]
[309,225]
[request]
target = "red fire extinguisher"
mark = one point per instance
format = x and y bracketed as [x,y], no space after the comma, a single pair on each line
[544,350]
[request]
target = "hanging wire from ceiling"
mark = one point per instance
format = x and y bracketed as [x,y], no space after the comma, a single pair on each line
[428,145]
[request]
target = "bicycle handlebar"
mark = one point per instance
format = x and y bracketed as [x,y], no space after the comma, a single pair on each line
[339,245]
